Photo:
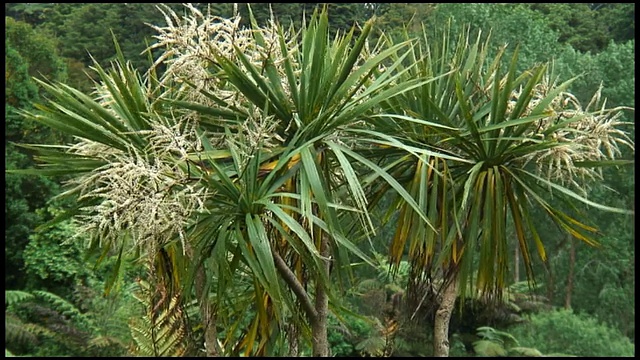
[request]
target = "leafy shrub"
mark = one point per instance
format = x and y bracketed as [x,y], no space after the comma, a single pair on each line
[343,337]
[562,331]
[54,257]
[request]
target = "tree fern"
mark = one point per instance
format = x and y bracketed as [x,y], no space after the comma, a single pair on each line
[65,308]
[17,332]
[367,285]
[59,320]
[381,341]
[500,343]
[371,346]
[493,342]
[161,331]
[12,297]
[101,342]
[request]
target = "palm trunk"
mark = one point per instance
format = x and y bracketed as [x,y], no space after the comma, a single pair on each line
[572,265]
[208,315]
[320,341]
[516,265]
[317,312]
[443,317]
[550,281]
[294,340]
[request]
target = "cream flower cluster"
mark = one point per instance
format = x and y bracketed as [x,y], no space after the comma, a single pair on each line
[143,193]
[587,135]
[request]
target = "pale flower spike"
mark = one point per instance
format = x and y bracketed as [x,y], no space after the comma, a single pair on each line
[587,136]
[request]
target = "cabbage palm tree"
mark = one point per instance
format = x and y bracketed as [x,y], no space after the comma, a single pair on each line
[129,195]
[293,113]
[236,167]
[519,139]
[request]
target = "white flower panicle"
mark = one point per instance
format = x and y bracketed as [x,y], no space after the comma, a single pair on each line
[191,47]
[177,140]
[147,193]
[192,44]
[586,135]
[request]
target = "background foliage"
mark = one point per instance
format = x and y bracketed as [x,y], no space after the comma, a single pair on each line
[563,331]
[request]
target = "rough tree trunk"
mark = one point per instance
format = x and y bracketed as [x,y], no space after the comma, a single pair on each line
[207,312]
[208,315]
[516,265]
[320,341]
[572,265]
[298,289]
[443,317]
[293,338]
[550,281]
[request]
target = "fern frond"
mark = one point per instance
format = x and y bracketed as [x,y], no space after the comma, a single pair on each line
[489,348]
[18,332]
[15,331]
[369,284]
[12,297]
[63,306]
[372,346]
[159,332]
[101,341]
[497,336]
[525,351]
[39,330]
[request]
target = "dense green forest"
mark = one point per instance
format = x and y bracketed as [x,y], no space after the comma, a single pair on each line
[356,179]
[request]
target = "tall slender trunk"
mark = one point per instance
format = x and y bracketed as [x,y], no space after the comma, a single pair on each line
[443,318]
[550,281]
[293,338]
[318,311]
[207,313]
[516,265]
[572,265]
[320,341]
